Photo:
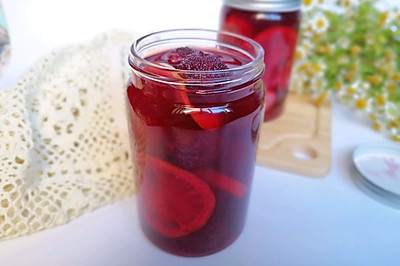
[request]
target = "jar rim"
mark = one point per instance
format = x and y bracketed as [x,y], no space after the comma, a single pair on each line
[265,5]
[194,36]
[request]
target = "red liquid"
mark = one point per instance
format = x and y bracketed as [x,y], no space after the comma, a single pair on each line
[277,34]
[194,172]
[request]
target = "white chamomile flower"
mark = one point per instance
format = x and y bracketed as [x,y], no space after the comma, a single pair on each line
[396,136]
[351,89]
[384,18]
[318,69]
[296,83]
[389,87]
[362,104]
[343,42]
[349,26]
[320,23]
[309,5]
[300,53]
[330,49]
[307,44]
[391,111]
[385,66]
[345,3]
[318,83]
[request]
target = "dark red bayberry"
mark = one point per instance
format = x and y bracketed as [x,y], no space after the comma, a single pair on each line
[186,58]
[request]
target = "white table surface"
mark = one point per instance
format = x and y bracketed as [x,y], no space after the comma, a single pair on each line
[292,220]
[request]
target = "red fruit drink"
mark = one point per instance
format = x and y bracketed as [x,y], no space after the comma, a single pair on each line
[195,100]
[273,24]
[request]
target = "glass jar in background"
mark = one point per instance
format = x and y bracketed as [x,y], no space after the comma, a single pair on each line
[274,24]
[196,102]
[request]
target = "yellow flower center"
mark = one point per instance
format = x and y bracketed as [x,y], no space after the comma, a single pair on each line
[304,67]
[372,117]
[350,75]
[346,3]
[299,55]
[338,85]
[380,100]
[383,16]
[361,104]
[351,90]
[329,49]
[395,138]
[353,67]
[391,87]
[374,79]
[319,84]
[349,26]
[389,56]
[321,98]
[393,124]
[355,50]
[321,49]
[320,23]
[317,37]
[395,77]
[376,126]
[316,67]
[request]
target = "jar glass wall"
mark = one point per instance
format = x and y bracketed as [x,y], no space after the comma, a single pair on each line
[274,24]
[196,101]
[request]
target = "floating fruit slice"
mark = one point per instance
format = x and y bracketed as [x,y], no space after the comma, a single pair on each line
[239,25]
[279,44]
[174,202]
[221,181]
[186,58]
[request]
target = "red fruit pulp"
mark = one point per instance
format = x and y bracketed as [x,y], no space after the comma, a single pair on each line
[195,179]
[276,32]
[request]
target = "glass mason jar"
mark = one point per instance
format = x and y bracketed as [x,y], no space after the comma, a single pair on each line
[274,24]
[194,135]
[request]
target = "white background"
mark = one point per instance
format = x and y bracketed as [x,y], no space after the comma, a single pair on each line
[292,220]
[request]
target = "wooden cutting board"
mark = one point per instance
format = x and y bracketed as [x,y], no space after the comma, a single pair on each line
[299,141]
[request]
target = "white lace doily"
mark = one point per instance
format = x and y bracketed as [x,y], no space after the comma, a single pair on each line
[64,147]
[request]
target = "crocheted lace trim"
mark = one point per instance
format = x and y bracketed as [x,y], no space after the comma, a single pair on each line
[64,147]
